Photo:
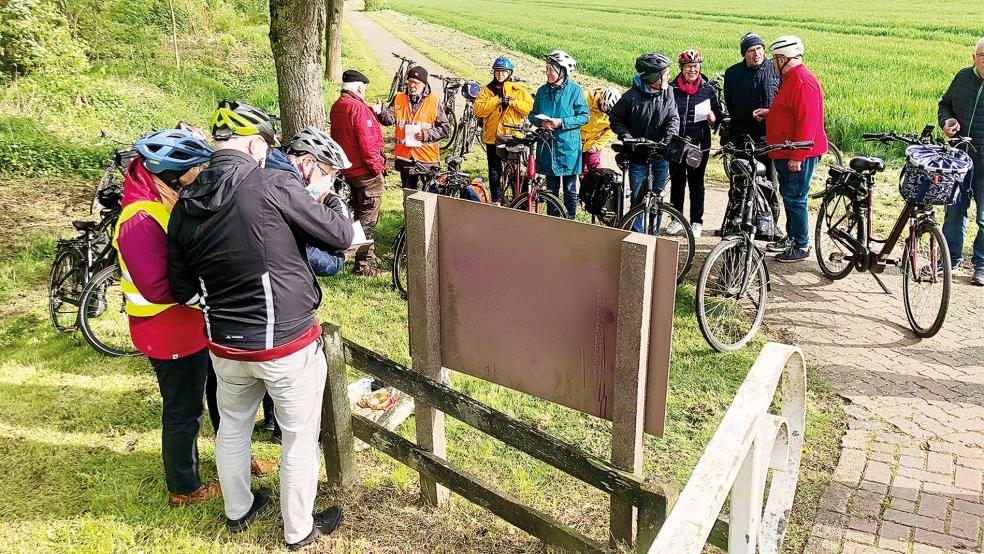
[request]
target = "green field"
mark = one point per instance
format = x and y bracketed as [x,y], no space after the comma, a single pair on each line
[883,65]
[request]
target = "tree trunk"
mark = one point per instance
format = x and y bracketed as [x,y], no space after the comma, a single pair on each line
[333,41]
[296,45]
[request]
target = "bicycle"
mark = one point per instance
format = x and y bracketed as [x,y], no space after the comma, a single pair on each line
[450,87]
[649,212]
[733,286]
[447,183]
[845,242]
[522,188]
[469,129]
[399,83]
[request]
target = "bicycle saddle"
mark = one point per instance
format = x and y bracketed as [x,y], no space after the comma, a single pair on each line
[867,164]
[84,225]
[454,160]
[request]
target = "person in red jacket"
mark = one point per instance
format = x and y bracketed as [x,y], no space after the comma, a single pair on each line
[355,128]
[796,115]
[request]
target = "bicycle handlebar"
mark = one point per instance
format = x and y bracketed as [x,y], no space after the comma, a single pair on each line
[911,139]
[751,151]
[408,60]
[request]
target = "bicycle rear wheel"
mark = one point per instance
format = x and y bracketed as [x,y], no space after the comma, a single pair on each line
[926,280]
[102,314]
[833,254]
[453,126]
[65,289]
[662,219]
[399,272]
[507,185]
[540,202]
[394,86]
[731,295]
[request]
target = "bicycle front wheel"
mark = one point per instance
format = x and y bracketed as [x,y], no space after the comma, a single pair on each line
[926,280]
[833,253]
[400,263]
[540,202]
[102,314]
[64,290]
[453,132]
[732,291]
[664,221]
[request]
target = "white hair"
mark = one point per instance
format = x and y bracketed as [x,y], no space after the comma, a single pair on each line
[353,86]
[980,44]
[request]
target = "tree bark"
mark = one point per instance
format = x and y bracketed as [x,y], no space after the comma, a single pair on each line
[296,45]
[333,41]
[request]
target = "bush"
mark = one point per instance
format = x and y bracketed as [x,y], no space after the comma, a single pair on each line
[28,149]
[374,5]
[35,36]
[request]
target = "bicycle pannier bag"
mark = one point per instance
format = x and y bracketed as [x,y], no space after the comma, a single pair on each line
[933,174]
[681,151]
[470,90]
[598,191]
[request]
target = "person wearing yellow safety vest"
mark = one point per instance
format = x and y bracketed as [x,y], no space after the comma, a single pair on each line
[423,113]
[597,134]
[500,102]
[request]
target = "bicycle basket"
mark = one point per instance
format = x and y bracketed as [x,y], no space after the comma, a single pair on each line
[598,191]
[933,174]
[471,89]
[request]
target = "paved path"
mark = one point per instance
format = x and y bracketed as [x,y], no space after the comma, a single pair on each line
[910,475]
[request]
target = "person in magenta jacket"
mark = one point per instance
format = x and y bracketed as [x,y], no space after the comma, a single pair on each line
[796,115]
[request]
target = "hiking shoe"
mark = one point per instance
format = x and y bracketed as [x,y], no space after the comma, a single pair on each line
[780,245]
[674,228]
[793,254]
[261,499]
[204,493]
[262,467]
[324,524]
[978,278]
[697,228]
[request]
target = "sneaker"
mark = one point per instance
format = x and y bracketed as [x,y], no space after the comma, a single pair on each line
[674,228]
[204,493]
[696,228]
[780,245]
[261,499]
[324,524]
[978,278]
[793,254]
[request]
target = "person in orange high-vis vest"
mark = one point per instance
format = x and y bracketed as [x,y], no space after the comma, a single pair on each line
[423,113]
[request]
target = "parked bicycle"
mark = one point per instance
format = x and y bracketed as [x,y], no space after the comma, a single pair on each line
[522,188]
[469,130]
[399,83]
[650,214]
[732,289]
[933,174]
[450,87]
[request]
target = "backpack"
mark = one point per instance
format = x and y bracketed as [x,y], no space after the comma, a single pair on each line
[476,191]
[599,191]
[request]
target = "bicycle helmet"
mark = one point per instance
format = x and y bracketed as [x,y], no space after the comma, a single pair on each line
[502,62]
[172,150]
[563,59]
[237,118]
[652,62]
[787,46]
[610,98]
[311,140]
[690,56]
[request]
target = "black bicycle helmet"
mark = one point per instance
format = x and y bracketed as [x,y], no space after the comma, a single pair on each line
[311,140]
[238,118]
[652,62]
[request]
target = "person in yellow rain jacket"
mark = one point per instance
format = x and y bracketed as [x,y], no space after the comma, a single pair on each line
[597,134]
[501,101]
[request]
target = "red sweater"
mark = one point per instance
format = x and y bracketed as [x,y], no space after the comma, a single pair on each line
[797,115]
[355,128]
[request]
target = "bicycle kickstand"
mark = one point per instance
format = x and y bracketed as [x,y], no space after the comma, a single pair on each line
[881,283]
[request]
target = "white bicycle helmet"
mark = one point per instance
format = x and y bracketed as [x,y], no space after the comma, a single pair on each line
[788,46]
[610,98]
[311,140]
[563,59]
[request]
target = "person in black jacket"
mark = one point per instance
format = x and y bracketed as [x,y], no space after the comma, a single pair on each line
[961,113]
[236,243]
[750,86]
[693,93]
[647,110]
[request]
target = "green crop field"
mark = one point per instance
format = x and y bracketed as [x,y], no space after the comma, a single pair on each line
[882,67]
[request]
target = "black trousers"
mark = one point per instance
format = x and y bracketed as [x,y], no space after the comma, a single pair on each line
[683,176]
[495,172]
[182,384]
[409,180]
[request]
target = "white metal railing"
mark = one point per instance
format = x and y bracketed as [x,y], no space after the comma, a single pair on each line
[749,442]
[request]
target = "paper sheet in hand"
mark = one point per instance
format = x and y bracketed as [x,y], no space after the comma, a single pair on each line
[701,110]
[359,239]
[542,117]
[411,134]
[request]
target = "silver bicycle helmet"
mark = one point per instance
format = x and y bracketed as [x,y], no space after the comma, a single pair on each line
[311,140]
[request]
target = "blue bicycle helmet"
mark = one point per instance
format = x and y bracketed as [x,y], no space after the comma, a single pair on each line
[172,150]
[502,62]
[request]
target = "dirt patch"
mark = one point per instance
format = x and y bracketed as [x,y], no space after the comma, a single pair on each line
[34,208]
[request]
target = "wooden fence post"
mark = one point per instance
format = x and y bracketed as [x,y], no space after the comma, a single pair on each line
[337,440]
[635,293]
[423,290]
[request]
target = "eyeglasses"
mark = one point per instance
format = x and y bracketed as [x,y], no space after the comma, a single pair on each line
[979,55]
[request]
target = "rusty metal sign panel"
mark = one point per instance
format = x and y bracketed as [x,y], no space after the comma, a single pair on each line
[531,303]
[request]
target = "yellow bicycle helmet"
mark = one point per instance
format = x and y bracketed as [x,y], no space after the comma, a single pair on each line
[238,118]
